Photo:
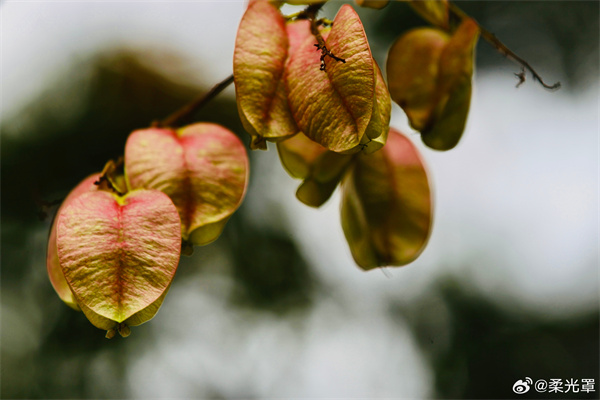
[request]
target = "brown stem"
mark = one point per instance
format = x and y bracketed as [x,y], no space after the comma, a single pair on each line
[505,51]
[195,105]
[309,12]
[109,178]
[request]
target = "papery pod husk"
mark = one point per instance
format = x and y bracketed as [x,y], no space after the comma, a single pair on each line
[386,205]
[119,253]
[376,4]
[203,168]
[55,272]
[433,11]
[298,154]
[453,94]
[379,126]
[320,169]
[261,50]
[374,138]
[325,177]
[333,107]
[297,32]
[412,70]
[136,319]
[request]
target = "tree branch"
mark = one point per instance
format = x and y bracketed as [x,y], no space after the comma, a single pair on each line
[505,51]
[195,105]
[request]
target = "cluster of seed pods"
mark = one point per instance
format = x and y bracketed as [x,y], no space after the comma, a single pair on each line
[315,90]
[113,249]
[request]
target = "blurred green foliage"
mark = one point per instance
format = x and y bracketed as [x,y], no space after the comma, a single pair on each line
[488,345]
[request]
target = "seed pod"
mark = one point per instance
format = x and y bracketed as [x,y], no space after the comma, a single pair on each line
[261,49]
[412,71]
[203,168]
[333,107]
[386,205]
[320,169]
[298,155]
[429,75]
[119,253]
[325,176]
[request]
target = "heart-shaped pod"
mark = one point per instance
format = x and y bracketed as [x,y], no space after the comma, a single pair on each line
[386,205]
[334,107]
[60,284]
[261,50]
[55,272]
[119,253]
[203,168]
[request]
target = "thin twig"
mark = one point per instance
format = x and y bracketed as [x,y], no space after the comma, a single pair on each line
[310,13]
[505,51]
[325,52]
[195,105]
[520,76]
[320,45]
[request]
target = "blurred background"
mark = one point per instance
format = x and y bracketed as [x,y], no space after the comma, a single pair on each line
[506,289]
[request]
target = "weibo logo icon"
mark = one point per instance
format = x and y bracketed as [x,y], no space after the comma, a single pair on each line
[522,386]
